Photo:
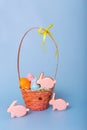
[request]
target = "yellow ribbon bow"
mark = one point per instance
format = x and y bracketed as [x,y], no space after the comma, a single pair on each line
[44,32]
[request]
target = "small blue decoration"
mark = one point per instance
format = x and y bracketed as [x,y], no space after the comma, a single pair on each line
[34,85]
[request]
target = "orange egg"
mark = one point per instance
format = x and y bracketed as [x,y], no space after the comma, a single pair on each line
[25,83]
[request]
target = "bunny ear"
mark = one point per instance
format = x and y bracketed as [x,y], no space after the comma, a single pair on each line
[42,75]
[13,103]
[53,96]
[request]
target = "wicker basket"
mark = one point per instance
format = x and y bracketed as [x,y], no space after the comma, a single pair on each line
[36,100]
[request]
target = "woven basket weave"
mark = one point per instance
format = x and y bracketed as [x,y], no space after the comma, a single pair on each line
[35,100]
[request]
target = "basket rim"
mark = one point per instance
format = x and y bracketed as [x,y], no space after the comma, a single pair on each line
[37,91]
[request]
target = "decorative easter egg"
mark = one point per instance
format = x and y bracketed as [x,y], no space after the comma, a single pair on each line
[25,83]
[34,80]
[34,85]
[30,77]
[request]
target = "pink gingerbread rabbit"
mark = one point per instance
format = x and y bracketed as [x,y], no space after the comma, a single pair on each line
[45,82]
[58,104]
[17,110]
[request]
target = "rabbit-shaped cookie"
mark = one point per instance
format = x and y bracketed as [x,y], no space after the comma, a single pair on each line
[58,104]
[17,110]
[45,82]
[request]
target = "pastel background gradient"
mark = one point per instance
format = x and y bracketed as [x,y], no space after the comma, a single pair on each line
[69,20]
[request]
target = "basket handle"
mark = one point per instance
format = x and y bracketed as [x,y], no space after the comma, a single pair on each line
[19,49]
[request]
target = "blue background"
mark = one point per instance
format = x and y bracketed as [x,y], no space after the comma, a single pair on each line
[69,19]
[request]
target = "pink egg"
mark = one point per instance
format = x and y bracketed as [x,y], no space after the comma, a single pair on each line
[30,77]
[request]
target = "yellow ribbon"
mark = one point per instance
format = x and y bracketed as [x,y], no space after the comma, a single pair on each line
[44,32]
